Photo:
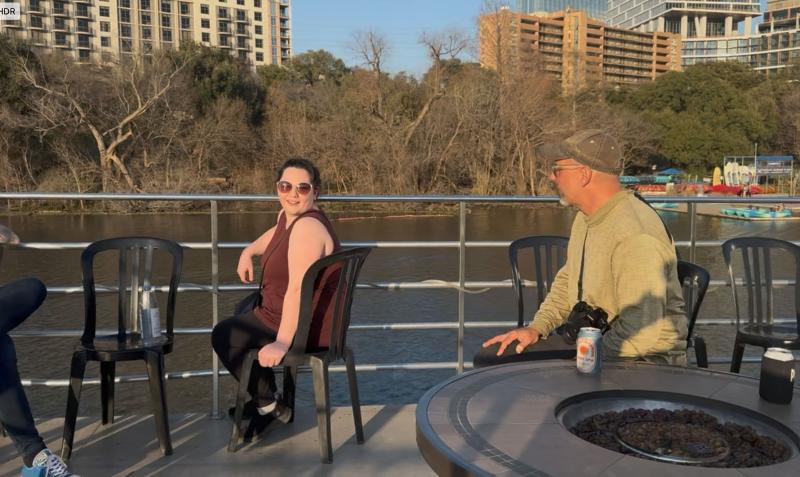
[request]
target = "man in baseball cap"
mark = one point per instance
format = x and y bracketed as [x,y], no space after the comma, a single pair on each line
[584,165]
[620,258]
[591,147]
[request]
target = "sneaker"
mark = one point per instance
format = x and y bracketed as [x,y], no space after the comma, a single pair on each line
[47,464]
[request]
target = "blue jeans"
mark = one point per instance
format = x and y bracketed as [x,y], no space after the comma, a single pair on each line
[18,300]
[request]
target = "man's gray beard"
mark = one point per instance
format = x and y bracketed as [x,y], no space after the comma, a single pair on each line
[563,201]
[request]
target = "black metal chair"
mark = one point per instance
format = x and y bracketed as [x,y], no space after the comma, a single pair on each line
[759,256]
[549,254]
[126,344]
[694,282]
[347,264]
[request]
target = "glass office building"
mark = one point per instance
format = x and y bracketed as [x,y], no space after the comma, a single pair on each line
[595,8]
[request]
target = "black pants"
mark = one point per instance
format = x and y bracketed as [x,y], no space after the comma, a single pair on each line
[232,339]
[18,300]
[552,348]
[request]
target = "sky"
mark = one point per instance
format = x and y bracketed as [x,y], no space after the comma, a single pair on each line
[330,25]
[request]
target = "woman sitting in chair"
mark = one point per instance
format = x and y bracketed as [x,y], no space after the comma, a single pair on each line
[302,236]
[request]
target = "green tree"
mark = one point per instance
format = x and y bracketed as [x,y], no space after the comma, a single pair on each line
[214,74]
[269,74]
[705,113]
[320,65]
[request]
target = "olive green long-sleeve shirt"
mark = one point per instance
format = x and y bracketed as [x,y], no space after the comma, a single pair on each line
[630,271]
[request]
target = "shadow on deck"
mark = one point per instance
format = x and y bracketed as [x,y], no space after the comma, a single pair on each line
[129,447]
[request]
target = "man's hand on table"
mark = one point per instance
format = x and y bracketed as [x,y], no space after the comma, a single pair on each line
[524,336]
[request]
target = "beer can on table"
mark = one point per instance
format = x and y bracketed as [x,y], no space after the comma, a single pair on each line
[777,376]
[590,350]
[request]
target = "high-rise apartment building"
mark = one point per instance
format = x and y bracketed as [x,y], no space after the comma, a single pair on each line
[102,30]
[575,49]
[710,30]
[695,18]
[779,37]
[595,8]
[720,31]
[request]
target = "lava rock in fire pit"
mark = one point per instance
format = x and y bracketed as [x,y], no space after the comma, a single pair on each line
[683,436]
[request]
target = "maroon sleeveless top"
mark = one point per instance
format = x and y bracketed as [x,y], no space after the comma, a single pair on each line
[275,281]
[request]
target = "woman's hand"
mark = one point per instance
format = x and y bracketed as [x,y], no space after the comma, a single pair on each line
[272,354]
[245,267]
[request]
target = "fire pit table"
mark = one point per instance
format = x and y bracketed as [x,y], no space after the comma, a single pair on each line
[524,419]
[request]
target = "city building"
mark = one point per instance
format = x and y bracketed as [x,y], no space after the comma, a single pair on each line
[101,30]
[696,18]
[720,31]
[779,37]
[575,49]
[595,8]
[710,30]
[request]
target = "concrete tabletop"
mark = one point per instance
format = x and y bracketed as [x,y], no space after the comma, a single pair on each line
[501,420]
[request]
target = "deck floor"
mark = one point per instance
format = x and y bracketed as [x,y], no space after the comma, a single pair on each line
[129,447]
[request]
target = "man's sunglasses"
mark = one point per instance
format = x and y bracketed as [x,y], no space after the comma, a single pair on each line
[555,168]
[303,188]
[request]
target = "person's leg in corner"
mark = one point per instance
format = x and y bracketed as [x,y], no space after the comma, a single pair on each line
[552,348]
[18,300]
[15,412]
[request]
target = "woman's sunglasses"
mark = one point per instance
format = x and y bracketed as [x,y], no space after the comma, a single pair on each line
[303,188]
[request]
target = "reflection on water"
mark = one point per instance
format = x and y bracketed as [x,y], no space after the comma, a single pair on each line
[49,357]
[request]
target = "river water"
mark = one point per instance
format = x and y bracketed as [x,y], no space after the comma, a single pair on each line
[41,357]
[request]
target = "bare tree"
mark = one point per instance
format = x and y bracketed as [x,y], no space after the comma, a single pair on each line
[440,46]
[15,140]
[105,102]
[372,48]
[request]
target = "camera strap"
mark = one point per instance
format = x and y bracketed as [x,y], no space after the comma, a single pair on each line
[580,277]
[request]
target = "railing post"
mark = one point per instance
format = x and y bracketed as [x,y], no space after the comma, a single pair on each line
[215,414]
[462,255]
[692,231]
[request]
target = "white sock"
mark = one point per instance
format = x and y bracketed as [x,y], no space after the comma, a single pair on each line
[264,410]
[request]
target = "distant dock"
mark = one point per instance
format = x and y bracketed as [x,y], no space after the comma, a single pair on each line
[715,210]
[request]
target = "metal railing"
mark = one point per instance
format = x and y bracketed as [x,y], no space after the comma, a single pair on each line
[462,285]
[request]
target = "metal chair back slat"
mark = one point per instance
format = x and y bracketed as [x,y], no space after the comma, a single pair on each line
[548,254]
[769,310]
[121,296]
[132,255]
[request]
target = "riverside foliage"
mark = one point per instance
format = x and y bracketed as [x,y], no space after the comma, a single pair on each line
[198,120]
